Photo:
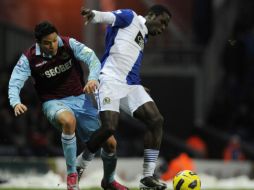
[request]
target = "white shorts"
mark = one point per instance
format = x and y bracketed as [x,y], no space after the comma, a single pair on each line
[113,95]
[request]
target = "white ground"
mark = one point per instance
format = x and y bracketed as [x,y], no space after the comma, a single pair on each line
[52,180]
[128,170]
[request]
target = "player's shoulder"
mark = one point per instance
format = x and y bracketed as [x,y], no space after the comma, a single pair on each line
[64,39]
[67,41]
[124,17]
[119,11]
[125,12]
[30,52]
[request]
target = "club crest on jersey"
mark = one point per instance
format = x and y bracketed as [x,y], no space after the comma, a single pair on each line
[106,100]
[118,11]
[140,40]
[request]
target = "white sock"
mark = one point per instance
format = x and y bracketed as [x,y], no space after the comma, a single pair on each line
[150,159]
[84,158]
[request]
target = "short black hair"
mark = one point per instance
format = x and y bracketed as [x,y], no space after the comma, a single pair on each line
[43,29]
[159,9]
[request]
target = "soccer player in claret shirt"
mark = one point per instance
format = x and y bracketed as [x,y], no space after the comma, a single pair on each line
[120,85]
[54,64]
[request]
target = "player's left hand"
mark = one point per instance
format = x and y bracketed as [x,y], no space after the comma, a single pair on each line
[87,14]
[91,86]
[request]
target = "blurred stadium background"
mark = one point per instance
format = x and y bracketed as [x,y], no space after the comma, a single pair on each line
[200,73]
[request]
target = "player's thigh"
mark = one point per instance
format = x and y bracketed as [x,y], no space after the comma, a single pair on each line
[148,113]
[136,98]
[55,110]
[86,116]
[86,126]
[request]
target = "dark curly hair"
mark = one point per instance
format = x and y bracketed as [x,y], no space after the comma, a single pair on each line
[43,29]
[159,9]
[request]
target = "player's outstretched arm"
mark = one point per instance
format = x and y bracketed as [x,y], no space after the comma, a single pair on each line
[19,109]
[19,75]
[94,16]
[87,14]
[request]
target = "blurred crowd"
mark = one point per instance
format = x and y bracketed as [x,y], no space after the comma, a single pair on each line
[29,134]
[232,109]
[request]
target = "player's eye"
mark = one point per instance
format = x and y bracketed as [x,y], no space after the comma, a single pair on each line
[46,43]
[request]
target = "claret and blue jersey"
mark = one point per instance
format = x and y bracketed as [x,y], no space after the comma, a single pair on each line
[55,77]
[125,40]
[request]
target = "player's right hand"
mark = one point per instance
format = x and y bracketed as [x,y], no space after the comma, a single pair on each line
[87,15]
[19,109]
[91,86]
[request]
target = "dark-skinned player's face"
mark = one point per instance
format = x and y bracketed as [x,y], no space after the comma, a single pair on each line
[49,44]
[156,24]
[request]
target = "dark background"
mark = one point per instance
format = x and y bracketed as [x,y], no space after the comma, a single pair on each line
[199,72]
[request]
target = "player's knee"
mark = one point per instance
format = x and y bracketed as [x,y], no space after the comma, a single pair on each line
[67,122]
[110,145]
[156,123]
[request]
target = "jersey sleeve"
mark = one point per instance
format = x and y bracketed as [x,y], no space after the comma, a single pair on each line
[19,75]
[87,56]
[124,17]
[103,17]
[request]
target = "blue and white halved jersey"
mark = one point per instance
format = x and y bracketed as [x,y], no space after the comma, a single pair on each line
[125,40]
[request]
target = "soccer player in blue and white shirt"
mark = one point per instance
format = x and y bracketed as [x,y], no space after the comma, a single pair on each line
[54,64]
[120,85]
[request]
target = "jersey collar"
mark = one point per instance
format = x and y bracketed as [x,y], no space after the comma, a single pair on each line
[38,50]
[143,21]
